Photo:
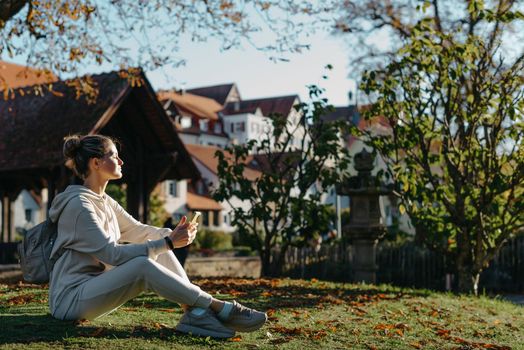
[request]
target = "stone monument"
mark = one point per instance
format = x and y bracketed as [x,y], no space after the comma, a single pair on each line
[365,225]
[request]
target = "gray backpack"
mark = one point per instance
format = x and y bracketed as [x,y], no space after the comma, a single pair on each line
[35,252]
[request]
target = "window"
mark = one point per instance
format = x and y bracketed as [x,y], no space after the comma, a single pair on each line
[218,128]
[28,215]
[173,190]
[216,217]
[232,126]
[200,187]
[204,124]
[205,218]
[240,127]
[226,219]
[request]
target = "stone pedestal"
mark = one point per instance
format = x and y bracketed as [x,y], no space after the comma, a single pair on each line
[365,225]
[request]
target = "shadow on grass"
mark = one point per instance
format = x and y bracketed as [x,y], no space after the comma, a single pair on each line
[26,329]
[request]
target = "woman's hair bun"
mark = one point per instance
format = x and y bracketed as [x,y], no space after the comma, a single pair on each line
[71,146]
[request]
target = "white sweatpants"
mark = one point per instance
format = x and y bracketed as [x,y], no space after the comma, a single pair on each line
[104,293]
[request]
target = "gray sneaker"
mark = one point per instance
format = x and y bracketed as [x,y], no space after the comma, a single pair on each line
[244,319]
[206,325]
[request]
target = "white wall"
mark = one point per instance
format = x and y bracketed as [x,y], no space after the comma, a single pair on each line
[189,138]
[212,140]
[174,204]
[256,127]
[24,202]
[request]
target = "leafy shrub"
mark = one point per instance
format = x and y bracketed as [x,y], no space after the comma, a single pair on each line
[215,240]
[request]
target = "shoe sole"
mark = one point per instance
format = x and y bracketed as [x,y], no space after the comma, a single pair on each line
[250,328]
[203,332]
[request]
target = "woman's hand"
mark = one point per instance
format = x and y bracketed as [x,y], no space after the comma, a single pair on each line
[184,233]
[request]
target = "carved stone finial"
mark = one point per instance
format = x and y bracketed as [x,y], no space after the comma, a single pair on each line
[364,161]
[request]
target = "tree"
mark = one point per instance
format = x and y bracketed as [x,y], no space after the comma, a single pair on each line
[284,202]
[454,101]
[62,36]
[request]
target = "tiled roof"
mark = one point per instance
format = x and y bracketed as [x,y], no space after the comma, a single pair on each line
[282,162]
[219,93]
[350,113]
[14,76]
[197,202]
[206,155]
[33,126]
[271,105]
[191,105]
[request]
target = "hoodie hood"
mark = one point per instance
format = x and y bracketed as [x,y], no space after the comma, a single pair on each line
[72,191]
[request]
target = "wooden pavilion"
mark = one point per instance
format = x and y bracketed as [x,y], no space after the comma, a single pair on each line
[34,123]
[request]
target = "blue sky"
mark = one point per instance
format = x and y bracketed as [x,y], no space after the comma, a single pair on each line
[257,76]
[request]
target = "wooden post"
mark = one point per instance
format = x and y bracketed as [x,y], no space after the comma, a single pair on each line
[136,203]
[9,219]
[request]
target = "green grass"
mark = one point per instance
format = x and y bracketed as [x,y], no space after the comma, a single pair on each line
[303,315]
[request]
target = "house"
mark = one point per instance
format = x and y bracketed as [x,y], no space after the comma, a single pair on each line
[32,128]
[208,119]
[250,119]
[195,117]
[207,164]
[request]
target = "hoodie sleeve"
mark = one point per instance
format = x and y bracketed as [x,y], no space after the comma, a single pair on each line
[91,238]
[134,231]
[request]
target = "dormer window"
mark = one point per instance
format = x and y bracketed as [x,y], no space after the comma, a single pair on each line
[240,127]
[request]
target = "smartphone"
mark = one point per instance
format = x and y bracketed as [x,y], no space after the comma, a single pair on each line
[195,217]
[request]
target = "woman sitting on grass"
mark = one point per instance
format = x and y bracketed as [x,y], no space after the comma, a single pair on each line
[95,273]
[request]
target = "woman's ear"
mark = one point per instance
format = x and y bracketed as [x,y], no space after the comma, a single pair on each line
[94,163]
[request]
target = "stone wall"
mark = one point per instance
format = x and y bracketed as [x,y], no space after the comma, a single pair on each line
[223,266]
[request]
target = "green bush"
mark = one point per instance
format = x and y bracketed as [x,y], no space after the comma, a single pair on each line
[215,240]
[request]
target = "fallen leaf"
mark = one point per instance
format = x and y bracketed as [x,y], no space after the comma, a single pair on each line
[416,345]
[444,333]
[128,309]
[238,338]
[167,310]
[21,299]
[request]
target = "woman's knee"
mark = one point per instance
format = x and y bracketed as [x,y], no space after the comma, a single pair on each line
[142,264]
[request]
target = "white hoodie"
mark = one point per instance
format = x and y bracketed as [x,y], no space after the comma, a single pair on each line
[91,230]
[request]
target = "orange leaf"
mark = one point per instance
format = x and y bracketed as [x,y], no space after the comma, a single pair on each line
[443,333]
[167,310]
[238,338]
[400,332]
